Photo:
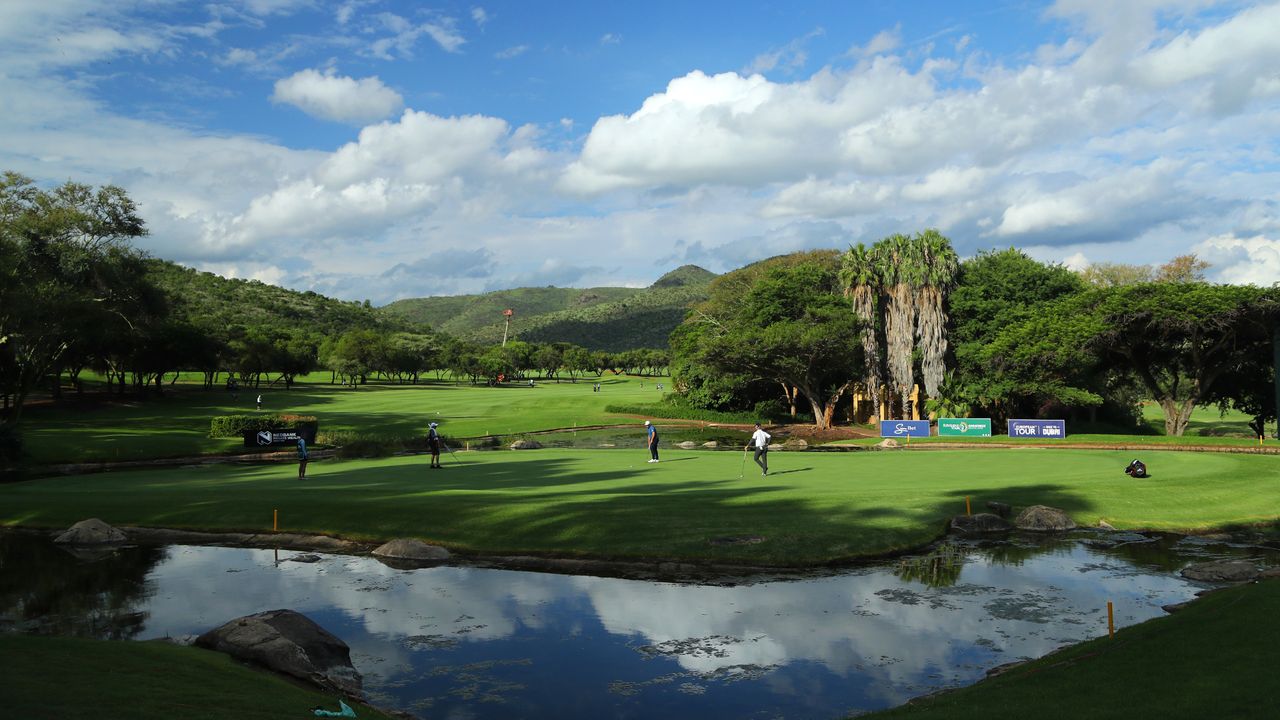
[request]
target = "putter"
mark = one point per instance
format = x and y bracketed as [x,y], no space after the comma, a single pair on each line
[446,447]
[742,470]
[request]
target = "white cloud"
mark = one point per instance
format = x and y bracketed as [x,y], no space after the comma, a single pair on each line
[1246,261]
[610,39]
[405,36]
[334,97]
[480,16]
[883,42]
[511,52]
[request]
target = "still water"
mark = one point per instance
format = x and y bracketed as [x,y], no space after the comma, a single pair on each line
[458,642]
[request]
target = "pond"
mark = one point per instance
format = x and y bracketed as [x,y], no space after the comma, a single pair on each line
[463,642]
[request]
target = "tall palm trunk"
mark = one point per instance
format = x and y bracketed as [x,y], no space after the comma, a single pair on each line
[938,268]
[899,327]
[864,307]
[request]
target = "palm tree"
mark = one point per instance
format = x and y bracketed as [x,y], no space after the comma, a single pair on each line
[899,263]
[938,268]
[862,284]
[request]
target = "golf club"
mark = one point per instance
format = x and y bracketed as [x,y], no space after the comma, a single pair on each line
[743,469]
[446,447]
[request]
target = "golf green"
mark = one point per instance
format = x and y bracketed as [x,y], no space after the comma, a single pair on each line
[814,507]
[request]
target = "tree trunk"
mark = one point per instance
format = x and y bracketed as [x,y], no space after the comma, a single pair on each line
[1176,415]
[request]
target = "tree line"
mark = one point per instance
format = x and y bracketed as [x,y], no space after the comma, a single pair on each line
[913,330]
[75,296]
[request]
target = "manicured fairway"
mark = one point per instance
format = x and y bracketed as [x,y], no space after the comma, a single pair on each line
[815,507]
[177,423]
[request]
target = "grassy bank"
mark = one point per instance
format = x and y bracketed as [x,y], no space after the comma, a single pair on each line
[1215,659]
[77,679]
[813,508]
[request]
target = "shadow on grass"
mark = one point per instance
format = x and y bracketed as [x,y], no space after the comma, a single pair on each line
[545,505]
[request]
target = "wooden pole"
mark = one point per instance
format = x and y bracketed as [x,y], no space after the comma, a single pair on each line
[1111,620]
[275,519]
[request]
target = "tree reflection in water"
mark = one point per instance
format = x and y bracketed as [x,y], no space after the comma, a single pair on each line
[49,590]
[940,568]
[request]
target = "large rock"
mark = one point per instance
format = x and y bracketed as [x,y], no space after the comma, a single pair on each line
[888,443]
[411,549]
[526,445]
[1221,571]
[796,444]
[687,445]
[980,523]
[91,532]
[1042,518]
[290,643]
[711,444]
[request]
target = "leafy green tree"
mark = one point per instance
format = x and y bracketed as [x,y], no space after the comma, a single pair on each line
[1182,341]
[791,327]
[60,250]
[996,291]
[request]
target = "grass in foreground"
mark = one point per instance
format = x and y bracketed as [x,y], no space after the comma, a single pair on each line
[58,678]
[813,508]
[1215,659]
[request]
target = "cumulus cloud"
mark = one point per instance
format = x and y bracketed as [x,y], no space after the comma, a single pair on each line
[331,96]
[1247,261]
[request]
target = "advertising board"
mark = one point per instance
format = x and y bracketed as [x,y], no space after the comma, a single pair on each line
[904,428]
[1038,428]
[965,427]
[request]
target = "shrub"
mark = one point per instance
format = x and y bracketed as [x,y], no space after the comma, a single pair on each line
[236,425]
[672,407]
[10,443]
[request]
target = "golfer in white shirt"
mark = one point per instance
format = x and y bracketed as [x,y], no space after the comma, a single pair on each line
[760,439]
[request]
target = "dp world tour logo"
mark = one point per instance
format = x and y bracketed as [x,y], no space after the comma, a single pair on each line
[264,437]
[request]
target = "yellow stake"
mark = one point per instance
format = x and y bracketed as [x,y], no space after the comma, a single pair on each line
[967,511]
[275,519]
[1111,620]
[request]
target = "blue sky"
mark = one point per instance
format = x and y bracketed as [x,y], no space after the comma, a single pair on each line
[381,149]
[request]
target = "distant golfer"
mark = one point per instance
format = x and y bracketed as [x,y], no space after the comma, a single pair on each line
[433,442]
[303,456]
[259,402]
[653,440]
[760,439]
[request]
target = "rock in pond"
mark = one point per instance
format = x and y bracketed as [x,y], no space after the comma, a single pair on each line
[687,445]
[999,508]
[979,524]
[91,532]
[888,443]
[711,444]
[411,549]
[796,444]
[1042,518]
[526,445]
[288,642]
[1221,571]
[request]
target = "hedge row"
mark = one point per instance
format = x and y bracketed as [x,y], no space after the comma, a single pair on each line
[236,425]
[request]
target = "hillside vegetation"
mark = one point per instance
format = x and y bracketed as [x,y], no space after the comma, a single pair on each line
[604,318]
[212,301]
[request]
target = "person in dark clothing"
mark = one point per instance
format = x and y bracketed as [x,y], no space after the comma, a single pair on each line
[433,442]
[760,439]
[1136,469]
[653,440]
[303,456]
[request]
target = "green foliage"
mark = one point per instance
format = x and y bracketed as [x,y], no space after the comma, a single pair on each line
[788,325]
[675,407]
[608,319]
[227,426]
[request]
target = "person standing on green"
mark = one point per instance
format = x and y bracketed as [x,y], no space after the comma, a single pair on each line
[303,456]
[760,439]
[433,442]
[653,440]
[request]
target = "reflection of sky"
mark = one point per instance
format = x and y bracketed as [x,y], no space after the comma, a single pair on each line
[465,642]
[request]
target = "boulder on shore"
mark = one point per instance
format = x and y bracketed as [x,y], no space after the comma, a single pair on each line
[1221,571]
[999,508]
[288,642]
[1042,518]
[526,445]
[979,524]
[411,549]
[91,532]
[687,445]
[888,443]
[711,444]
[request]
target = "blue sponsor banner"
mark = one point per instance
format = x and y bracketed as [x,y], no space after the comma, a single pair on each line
[904,428]
[1038,428]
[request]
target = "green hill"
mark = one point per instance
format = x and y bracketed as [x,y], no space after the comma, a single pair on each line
[603,318]
[215,302]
